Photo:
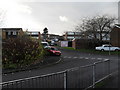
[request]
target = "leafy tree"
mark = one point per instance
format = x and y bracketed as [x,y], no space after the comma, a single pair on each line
[21,51]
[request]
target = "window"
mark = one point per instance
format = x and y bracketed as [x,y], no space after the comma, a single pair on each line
[9,33]
[77,33]
[70,33]
[54,49]
[70,37]
[14,33]
[77,37]
[35,33]
[106,46]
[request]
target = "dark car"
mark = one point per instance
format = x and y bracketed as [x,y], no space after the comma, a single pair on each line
[53,51]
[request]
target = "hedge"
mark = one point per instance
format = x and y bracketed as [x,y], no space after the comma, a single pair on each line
[21,51]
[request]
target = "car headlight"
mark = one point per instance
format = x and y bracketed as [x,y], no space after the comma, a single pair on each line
[53,52]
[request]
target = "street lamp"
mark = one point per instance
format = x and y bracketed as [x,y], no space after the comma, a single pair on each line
[109,43]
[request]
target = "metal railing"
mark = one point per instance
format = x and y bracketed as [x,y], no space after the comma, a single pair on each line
[54,80]
[79,77]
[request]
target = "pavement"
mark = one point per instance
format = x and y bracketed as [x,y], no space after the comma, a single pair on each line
[47,61]
[111,82]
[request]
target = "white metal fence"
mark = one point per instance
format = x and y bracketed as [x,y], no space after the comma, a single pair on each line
[79,77]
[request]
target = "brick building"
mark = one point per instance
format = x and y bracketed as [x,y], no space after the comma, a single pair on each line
[11,32]
[115,35]
[69,36]
[34,34]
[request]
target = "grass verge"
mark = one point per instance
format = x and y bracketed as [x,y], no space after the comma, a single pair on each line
[94,51]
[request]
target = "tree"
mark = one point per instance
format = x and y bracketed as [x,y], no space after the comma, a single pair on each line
[21,51]
[45,32]
[96,26]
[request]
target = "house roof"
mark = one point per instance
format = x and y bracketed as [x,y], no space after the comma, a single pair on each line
[117,25]
[11,29]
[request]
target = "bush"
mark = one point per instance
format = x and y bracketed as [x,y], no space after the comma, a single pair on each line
[21,51]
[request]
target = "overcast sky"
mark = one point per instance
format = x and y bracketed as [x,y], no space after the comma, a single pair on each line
[58,17]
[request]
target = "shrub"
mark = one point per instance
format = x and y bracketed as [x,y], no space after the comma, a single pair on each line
[21,51]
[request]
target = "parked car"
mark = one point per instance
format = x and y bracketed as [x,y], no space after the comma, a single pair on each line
[52,43]
[107,47]
[45,44]
[53,51]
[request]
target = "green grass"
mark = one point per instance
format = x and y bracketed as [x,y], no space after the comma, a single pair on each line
[94,51]
[100,84]
[103,83]
[70,48]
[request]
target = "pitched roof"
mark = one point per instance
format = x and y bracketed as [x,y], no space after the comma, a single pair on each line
[11,28]
[117,25]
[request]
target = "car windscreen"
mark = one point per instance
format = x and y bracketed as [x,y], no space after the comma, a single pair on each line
[54,49]
[44,44]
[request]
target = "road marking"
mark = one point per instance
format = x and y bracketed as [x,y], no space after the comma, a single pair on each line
[92,58]
[80,57]
[65,57]
[106,59]
[75,57]
[86,58]
[100,58]
[69,57]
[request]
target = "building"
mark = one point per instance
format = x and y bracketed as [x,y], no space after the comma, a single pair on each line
[69,36]
[34,34]
[115,35]
[11,32]
[61,38]
[53,37]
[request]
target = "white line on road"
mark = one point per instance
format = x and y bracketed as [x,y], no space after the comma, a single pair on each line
[65,57]
[69,57]
[85,58]
[80,57]
[100,58]
[75,57]
[106,59]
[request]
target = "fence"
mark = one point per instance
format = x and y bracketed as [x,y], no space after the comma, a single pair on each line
[79,77]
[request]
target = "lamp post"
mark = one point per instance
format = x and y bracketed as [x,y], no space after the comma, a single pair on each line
[109,42]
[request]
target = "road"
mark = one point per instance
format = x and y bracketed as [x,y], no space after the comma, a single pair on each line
[70,59]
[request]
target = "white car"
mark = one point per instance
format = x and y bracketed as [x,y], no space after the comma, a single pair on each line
[45,44]
[107,47]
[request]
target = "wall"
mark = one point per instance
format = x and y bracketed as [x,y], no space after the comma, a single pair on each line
[85,43]
[115,36]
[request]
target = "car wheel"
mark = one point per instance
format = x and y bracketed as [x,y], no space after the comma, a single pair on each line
[102,49]
[116,49]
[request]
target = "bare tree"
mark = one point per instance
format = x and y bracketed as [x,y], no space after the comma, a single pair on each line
[96,26]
